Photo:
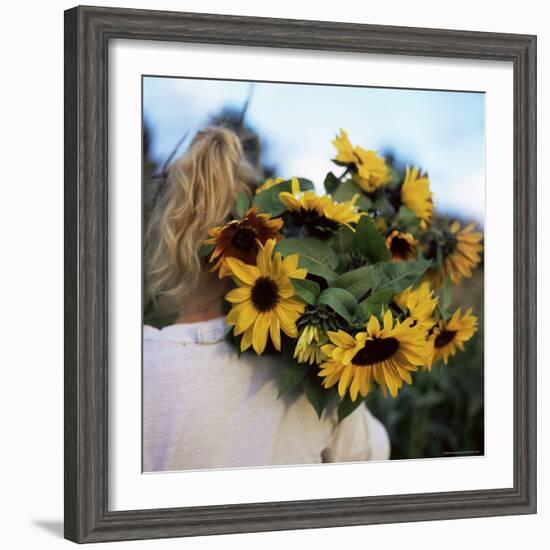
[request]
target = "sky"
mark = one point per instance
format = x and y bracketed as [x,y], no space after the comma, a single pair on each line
[441,132]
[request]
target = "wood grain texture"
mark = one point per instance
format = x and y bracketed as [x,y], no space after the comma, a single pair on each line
[87,34]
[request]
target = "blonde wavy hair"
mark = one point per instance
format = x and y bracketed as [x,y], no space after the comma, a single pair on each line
[200,193]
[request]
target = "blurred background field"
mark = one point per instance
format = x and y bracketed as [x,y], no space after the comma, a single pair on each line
[286,130]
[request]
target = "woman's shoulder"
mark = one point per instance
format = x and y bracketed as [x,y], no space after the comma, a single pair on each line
[205,332]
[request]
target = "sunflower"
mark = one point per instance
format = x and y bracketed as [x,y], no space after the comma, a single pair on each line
[449,336]
[461,253]
[240,239]
[264,301]
[268,184]
[419,305]
[416,196]
[401,245]
[321,215]
[308,345]
[385,354]
[369,170]
[346,153]
[372,170]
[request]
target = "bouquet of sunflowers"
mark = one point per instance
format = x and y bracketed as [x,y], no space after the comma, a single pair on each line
[354,287]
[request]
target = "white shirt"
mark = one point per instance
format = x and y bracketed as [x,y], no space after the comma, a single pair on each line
[205,407]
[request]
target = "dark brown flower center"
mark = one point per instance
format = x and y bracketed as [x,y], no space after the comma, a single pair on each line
[244,238]
[400,248]
[376,351]
[444,338]
[449,244]
[265,294]
[317,224]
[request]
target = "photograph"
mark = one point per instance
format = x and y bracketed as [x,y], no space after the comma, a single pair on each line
[313,282]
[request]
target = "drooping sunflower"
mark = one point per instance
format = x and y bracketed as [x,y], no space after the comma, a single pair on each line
[461,253]
[264,302]
[372,170]
[309,343]
[346,153]
[240,239]
[385,354]
[419,304]
[449,336]
[416,195]
[320,214]
[368,169]
[268,184]
[402,245]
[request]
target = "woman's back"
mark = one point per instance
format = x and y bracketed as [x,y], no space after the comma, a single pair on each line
[205,407]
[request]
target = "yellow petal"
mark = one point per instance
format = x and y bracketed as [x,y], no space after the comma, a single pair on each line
[259,334]
[286,290]
[246,340]
[341,339]
[287,321]
[290,263]
[295,185]
[388,321]
[247,316]
[373,326]
[263,261]
[327,349]
[289,201]
[234,313]
[275,332]
[354,388]
[344,380]
[244,272]
[238,295]
[293,307]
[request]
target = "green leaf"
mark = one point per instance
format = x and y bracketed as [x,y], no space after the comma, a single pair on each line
[400,275]
[268,201]
[292,372]
[291,376]
[243,204]
[342,240]
[447,294]
[383,205]
[235,341]
[374,303]
[206,250]
[331,183]
[305,184]
[347,190]
[341,301]
[395,275]
[340,163]
[406,215]
[367,239]
[347,406]
[445,299]
[358,281]
[438,256]
[315,255]
[316,394]
[307,290]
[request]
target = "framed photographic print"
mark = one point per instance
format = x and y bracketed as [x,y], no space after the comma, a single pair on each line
[300,278]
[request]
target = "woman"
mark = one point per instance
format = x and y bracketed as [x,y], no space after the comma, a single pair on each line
[203,406]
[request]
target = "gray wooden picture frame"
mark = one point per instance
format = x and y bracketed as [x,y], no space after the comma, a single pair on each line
[88,31]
